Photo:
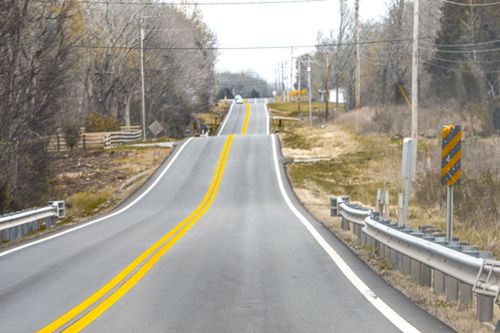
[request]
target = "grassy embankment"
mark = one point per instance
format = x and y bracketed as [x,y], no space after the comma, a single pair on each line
[356,165]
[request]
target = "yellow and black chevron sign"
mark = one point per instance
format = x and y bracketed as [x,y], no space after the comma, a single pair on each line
[451,154]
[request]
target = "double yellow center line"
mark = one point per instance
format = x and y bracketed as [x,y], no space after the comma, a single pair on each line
[87,311]
[246,120]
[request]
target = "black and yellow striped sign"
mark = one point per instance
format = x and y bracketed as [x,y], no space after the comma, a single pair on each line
[451,154]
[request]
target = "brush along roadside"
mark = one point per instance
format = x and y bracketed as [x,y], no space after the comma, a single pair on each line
[356,165]
[94,182]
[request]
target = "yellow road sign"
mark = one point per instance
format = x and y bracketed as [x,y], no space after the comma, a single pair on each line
[451,155]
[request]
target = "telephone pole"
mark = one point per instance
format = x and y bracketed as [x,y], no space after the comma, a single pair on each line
[143,93]
[327,93]
[291,75]
[358,76]
[299,87]
[309,91]
[283,88]
[414,74]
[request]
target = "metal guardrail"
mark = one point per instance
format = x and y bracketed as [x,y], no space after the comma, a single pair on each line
[456,269]
[17,224]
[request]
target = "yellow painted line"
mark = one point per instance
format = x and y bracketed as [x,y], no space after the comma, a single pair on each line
[195,215]
[243,131]
[108,302]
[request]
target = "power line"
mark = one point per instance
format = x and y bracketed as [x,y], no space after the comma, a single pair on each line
[459,51]
[214,48]
[457,69]
[465,45]
[468,61]
[103,2]
[471,4]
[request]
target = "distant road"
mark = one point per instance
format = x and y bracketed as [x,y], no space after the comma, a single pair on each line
[218,243]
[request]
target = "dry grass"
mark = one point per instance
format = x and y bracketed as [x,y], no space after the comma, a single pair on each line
[367,156]
[94,182]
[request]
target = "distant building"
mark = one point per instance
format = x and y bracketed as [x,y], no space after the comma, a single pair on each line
[332,96]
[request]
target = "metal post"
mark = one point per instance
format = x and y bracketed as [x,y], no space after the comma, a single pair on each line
[449,214]
[451,289]
[83,141]
[58,143]
[438,282]
[309,83]
[143,93]
[484,308]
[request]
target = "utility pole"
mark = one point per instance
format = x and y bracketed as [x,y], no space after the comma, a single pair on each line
[327,93]
[414,74]
[299,86]
[143,93]
[309,91]
[282,83]
[291,74]
[358,76]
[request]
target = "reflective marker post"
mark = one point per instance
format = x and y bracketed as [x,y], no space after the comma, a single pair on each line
[451,155]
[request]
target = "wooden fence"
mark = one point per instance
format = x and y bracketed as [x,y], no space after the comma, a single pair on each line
[96,140]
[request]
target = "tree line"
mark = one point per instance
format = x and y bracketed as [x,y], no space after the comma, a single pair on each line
[459,48]
[66,63]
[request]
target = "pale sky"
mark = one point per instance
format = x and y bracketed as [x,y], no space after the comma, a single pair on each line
[273,25]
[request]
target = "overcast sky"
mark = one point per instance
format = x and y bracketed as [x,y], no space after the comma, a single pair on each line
[273,25]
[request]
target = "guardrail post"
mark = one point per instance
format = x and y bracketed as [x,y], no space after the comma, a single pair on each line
[58,143]
[451,289]
[406,265]
[438,282]
[399,261]
[465,294]
[19,233]
[484,308]
[425,275]
[415,271]
[83,141]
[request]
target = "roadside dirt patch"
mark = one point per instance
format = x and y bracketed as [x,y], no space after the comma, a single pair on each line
[320,142]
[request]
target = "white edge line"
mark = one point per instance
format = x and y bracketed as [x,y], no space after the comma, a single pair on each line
[225,120]
[267,118]
[107,216]
[376,301]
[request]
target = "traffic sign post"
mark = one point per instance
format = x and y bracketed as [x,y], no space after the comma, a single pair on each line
[156,129]
[451,155]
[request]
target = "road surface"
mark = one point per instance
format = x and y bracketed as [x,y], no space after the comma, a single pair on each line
[216,242]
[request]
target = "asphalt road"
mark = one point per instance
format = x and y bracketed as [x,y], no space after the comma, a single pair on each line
[249,258]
